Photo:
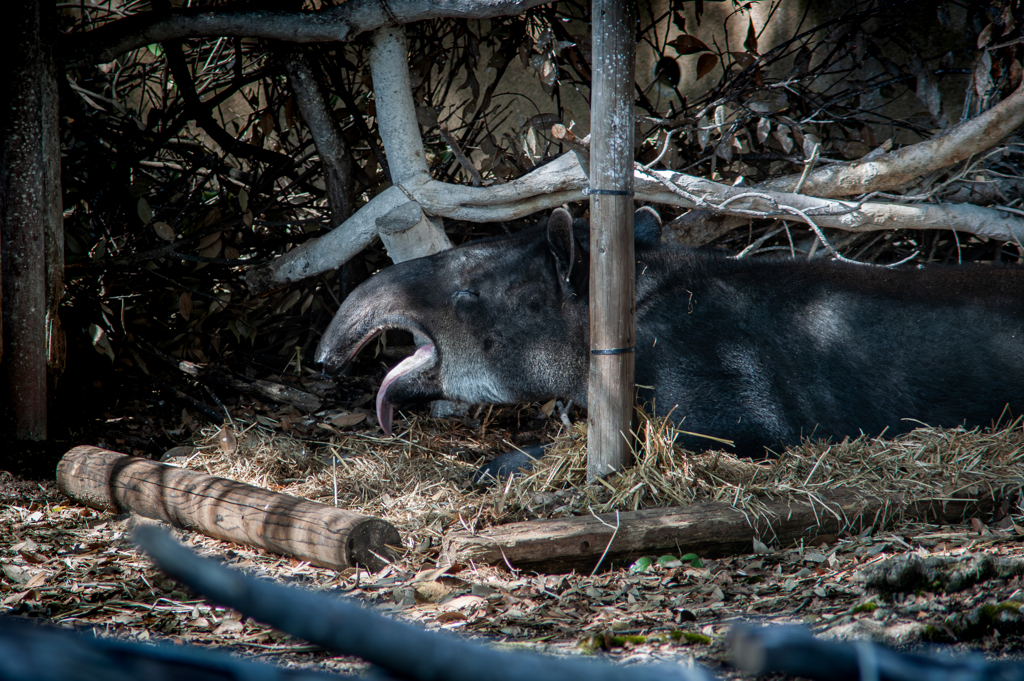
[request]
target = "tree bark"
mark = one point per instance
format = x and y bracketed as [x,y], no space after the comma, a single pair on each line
[225,509]
[31,230]
[610,396]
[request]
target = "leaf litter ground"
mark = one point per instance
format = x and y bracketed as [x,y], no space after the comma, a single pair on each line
[894,579]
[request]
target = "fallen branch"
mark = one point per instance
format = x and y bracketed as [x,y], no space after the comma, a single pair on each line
[707,529]
[225,509]
[28,652]
[793,651]
[268,390]
[265,390]
[402,649]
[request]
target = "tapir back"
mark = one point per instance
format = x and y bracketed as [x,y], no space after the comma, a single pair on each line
[766,352]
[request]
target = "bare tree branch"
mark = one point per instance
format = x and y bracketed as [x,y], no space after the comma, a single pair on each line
[403,144]
[327,137]
[845,215]
[339,23]
[201,113]
[897,168]
[563,180]
[400,648]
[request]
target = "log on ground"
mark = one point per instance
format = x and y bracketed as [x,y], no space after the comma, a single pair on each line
[225,509]
[708,529]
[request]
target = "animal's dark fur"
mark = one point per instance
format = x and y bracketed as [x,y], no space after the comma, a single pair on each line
[754,351]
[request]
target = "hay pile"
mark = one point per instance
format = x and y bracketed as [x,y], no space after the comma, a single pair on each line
[419,480]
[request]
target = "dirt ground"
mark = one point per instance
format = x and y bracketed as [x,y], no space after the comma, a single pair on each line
[76,567]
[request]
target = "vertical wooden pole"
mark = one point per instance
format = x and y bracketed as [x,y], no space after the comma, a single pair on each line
[27,204]
[612,271]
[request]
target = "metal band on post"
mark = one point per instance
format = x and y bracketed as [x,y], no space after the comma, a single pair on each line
[587,191]
[613,351]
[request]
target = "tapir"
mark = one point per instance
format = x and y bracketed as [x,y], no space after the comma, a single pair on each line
[758,352]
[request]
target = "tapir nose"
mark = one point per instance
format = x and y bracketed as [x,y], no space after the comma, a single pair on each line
[396,297]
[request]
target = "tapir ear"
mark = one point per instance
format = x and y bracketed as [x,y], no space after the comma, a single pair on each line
[562,242]
[646,227]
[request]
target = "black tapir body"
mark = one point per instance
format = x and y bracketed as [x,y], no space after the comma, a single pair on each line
[761,353]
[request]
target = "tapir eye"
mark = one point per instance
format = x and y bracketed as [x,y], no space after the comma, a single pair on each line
[467,293]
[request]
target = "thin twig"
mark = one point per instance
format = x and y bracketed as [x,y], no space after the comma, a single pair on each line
[808,167]
[615,531]
[464,161]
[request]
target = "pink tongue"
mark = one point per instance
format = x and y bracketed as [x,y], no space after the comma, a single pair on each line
[386,410]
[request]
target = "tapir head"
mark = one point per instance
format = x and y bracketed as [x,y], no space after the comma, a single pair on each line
[502,320]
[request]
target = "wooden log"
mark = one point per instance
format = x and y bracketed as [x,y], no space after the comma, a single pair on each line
[610,395]
[225,509]
[708,529]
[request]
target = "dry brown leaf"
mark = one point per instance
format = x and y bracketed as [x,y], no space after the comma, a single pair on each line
[985,36]
[450,616]
[185,305]
[346,419]
[687,44]
[430,592]
[229,627]
[163,230]
[750,44]
[705,64]
[226,441]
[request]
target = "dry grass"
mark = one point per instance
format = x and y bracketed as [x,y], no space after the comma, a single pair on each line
[419,482]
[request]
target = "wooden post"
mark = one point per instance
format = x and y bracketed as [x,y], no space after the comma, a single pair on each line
[612,272]
[30,218]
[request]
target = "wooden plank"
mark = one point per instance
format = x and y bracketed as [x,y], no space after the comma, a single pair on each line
[226,509]
[707,529]
[612,272]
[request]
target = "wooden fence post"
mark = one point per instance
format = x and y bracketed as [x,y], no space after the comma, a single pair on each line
[612,271]
[31,225]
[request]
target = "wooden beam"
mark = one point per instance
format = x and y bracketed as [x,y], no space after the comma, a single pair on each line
[709,529]
[612,270]
[225,509]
